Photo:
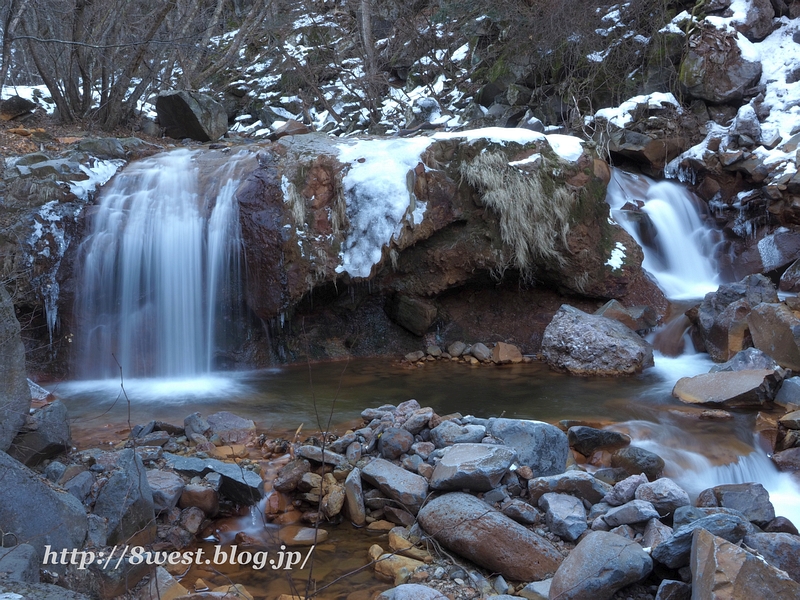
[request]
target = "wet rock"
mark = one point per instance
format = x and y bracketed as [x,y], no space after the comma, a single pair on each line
[588,439]
[635,511]
[354,496]
[576,483]
[46,436]
[751,499]
[476,467]
[734,389]
[237,484]
[540,446]
[467,526]
[565,515]
[746,360]
[625,490]
[675,551]
[394,567]
[638,460]
[448,433]
[15,397]
[414,314]
[126,502]
[290,474]
[714,68]
[787,460]
[503,353]
[781,550]
[636,318]
[294,535]
[19,563]
[586,344]
[200,496]
[394,442]
[791,420]
[773,328]
[167,488]
[664,494]
[600,564]
[722,569]
[232,429]
[185,114]
[396,483]
[32,512]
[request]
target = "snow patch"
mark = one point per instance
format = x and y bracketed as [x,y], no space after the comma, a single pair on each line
[617,256]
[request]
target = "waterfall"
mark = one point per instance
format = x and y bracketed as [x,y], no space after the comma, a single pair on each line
[664,220]
[159,282]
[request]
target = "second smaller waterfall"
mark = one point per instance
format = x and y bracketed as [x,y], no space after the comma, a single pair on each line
[663,218]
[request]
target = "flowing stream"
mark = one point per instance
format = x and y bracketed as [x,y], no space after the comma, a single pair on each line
[159,298]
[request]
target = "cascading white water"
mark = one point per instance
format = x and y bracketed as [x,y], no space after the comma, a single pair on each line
[678,247]
[160,268]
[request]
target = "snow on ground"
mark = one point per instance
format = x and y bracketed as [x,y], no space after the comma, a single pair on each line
[35,93]
[623,114]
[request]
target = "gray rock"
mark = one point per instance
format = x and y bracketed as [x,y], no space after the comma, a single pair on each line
[576,483]
[418,420]
[664,494]
[670,589]
[316,454]
[674,552]
[655,532]
[80,486]
[541,446]
[588,439]
[411,591]
[167,488]
[751,499]
[194,115]
[396,483]
[54,471]
[686,514]
[635,511]
[15,396]
[448,433]
[467,526]
[47,437]
[537,590]
[19,563]
[476,467]
[231,428]
[748,359]
[394,442]
[456,349]
[481,352]
[414,314]
[126,501]
[290,474]
[625,490]
[195,423]
[354,497]
[565,515]
[781,550]
[32,512]
[637,460]
[600,564]
[586,344]
[521,511]
[728,389]
[237,484]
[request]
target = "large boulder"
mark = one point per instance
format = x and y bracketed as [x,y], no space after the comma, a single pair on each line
[719,66]
[750,499]
[185,114]
[721,569]
[15,396]
[540,446]
[46,435]
[32,512]
[675,551]
[755,21]
[781,550]
[467,526]
[600,564]
[731,389]
[584,344]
